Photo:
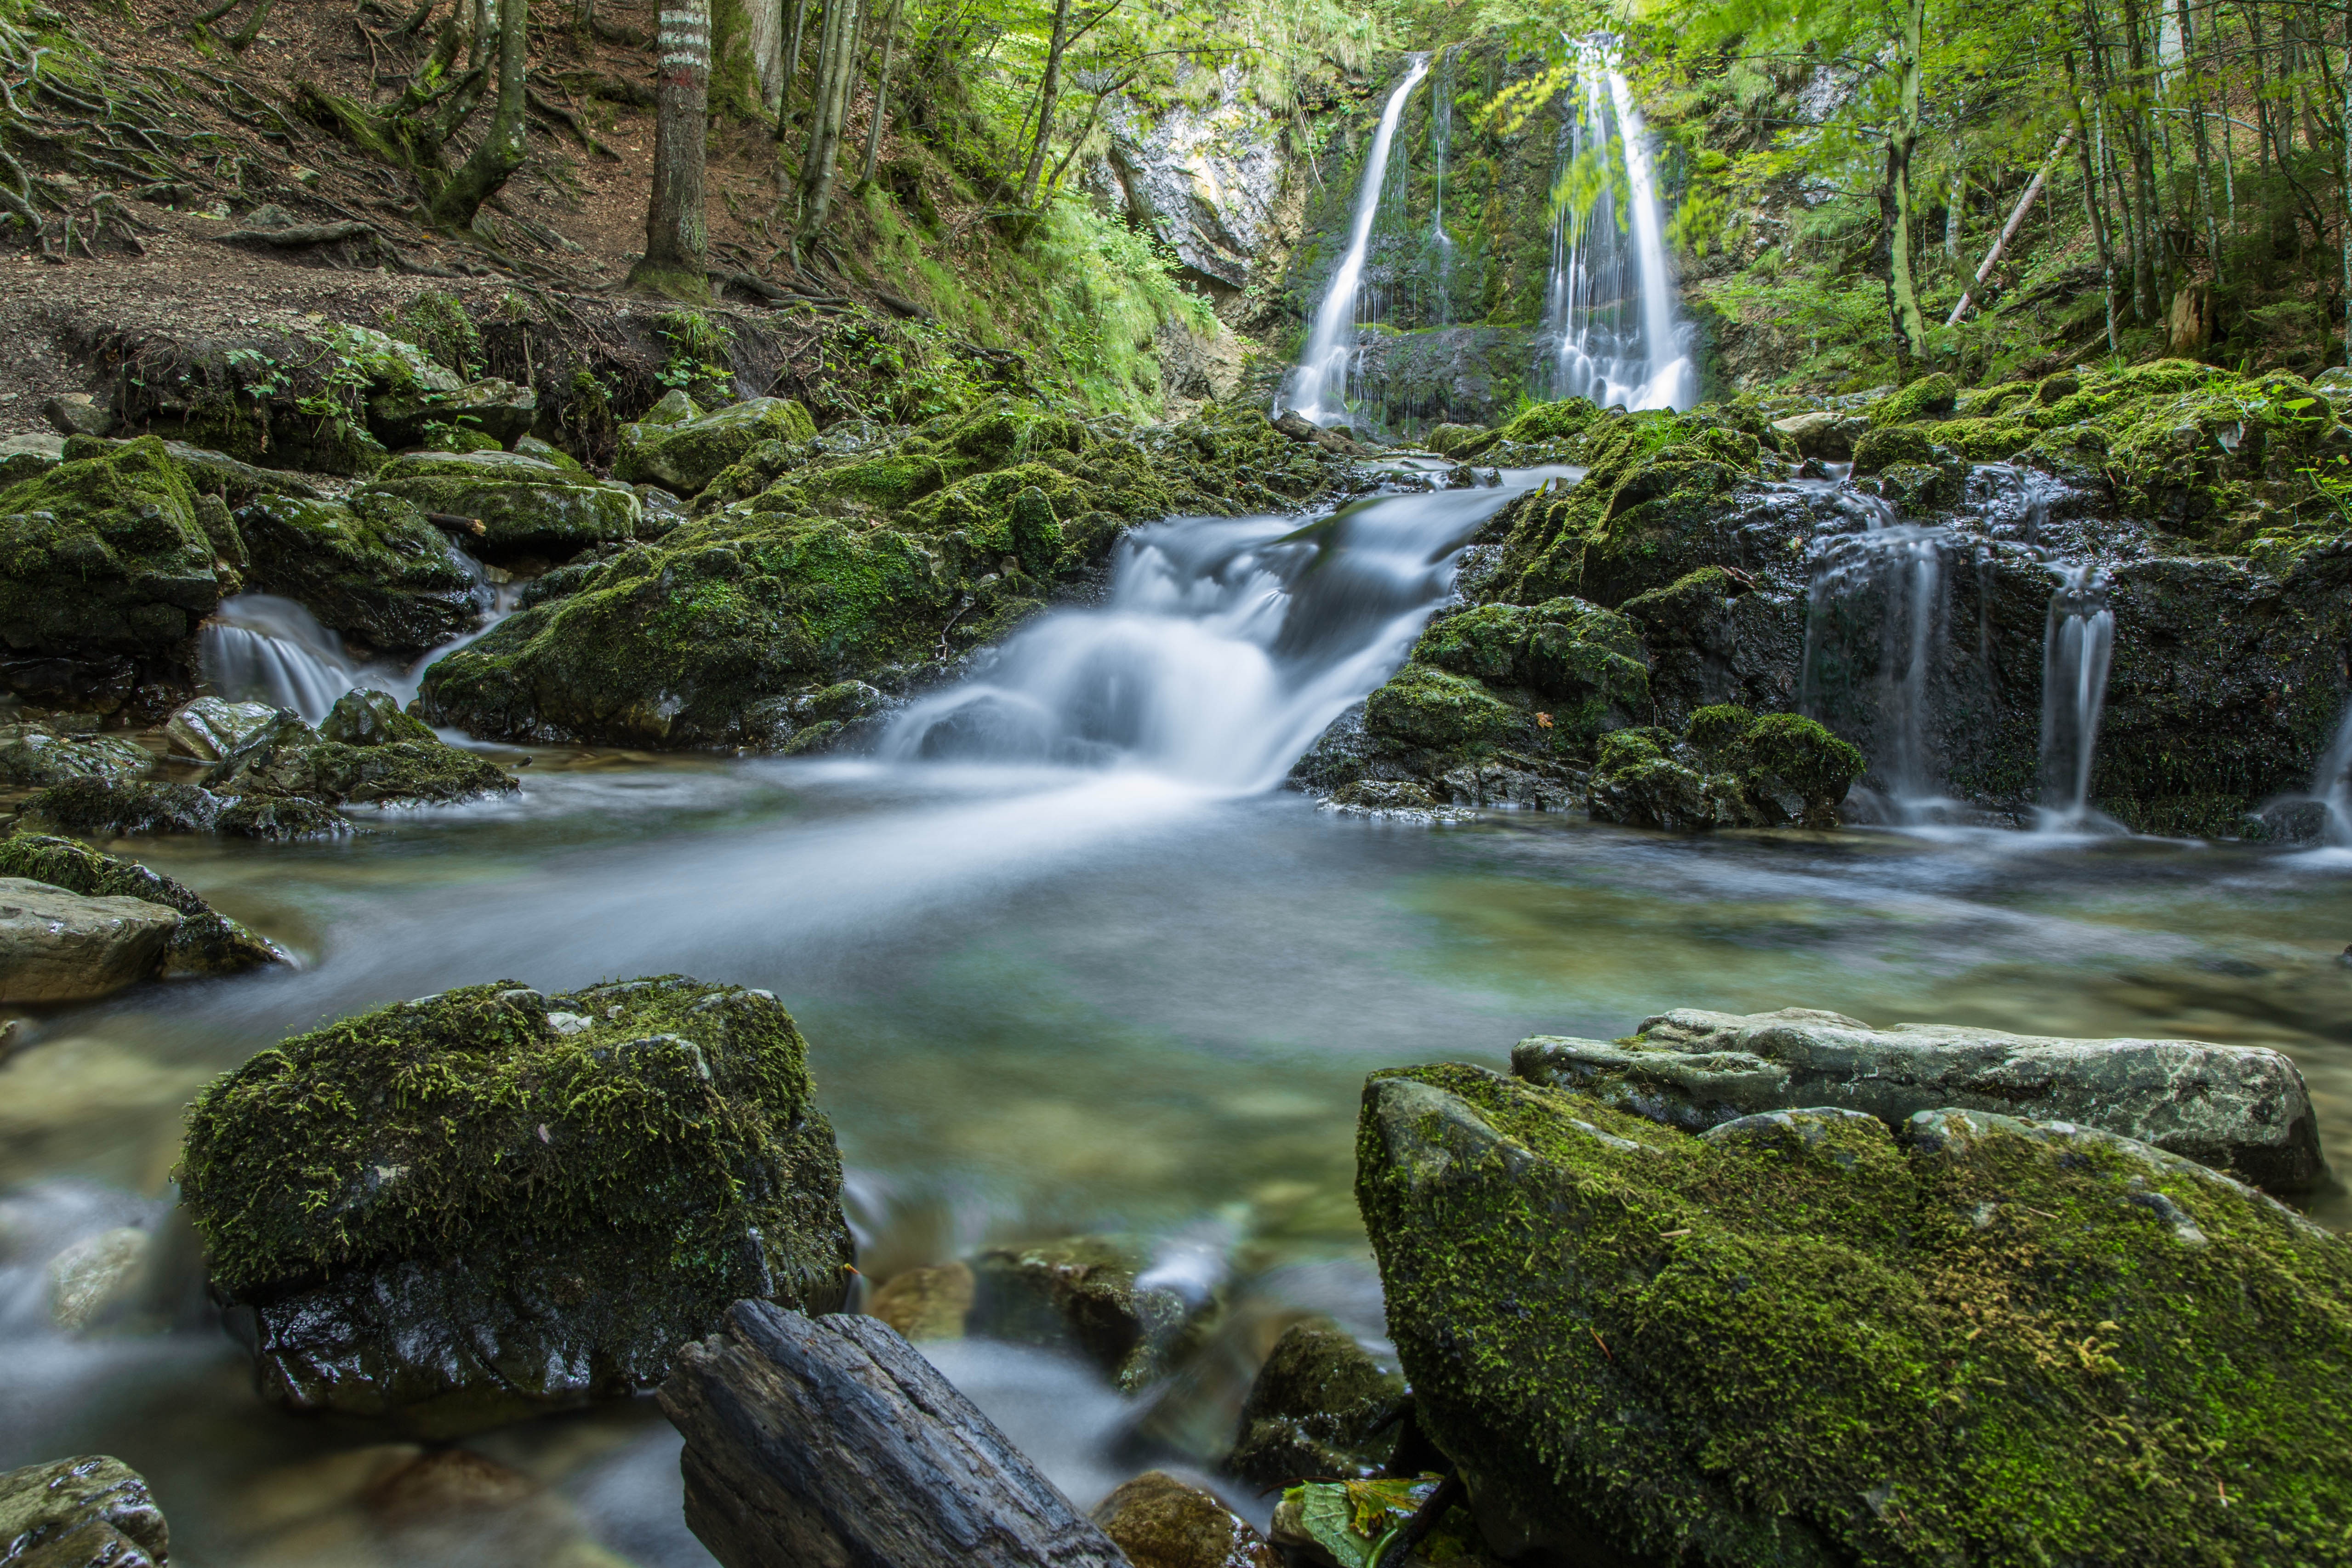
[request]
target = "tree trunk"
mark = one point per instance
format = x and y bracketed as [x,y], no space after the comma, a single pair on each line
[836,61]
[1047,90]
[2009,230]
[830,1440]
[881,94]
[2343,143]
[502,149]
[677,246]
[2148,292]
[766,37]
[2192,71]
[1902,290]
[2093,202]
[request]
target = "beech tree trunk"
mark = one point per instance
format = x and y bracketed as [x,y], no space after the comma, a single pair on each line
[881,94]
[502,149]
[1047,90]
[677,245]
[1902,290]
[836,67]
[830,1440]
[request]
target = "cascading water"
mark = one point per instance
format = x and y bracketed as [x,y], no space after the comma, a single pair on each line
[1316,385]
[1228,645]
[2075,651]
[258,647]
[1439,254]
[1612,328]
[2331,786]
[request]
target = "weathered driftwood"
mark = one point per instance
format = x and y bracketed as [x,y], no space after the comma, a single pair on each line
[832,1441]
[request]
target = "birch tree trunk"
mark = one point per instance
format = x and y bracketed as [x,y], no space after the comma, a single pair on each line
[459,203]
[677,246]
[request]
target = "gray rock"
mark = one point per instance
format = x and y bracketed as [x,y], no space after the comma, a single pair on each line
[1205,179]
[2242,1108]
[78,413]
[207,941]
[210,728]
[56,946]
[36,756]
[1824,432]
[87,1512]
[23,457]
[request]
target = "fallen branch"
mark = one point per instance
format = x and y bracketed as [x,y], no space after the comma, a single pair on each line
[898,306]
[450,522]
[2009,230]
[300,235]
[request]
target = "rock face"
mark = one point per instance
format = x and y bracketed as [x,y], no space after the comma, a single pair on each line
[1161,1522]
[1799,1338]
[830,1440]
[2240,1109]
[205,942]
[1207,181]
[476,1207]
[371,568]
[56,946]
[87,1512]
[1321,1406]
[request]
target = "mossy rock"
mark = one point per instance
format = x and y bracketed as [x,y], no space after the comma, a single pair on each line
[2220,460]
[1929,397]
[207,941]
[1799,1341]
[1991,401]
[1883,445]
[683,456]
[372,570]
[103,555]
[1455,441]
[1585,661]
[1321,1406]
[1988,440]
[524,504]
[488,1204]
[1560,421]
[493,411]
[372,718]
[1919,489]
[92,807]
[33,755]
[1424,707]
[1731,768]
[380,772]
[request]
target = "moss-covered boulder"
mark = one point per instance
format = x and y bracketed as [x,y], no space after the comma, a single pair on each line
[1929,397]
[207,941]
[1883,446]
[95,808]
[1798,1340]
[1420,706]
[33,755]
[488,1204]
[365,718]
[104,555]
[684,455]
[1731,768]
[383,761]
[1321,1406]
[371,569]
[524,504]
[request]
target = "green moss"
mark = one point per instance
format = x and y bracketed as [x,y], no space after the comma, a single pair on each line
[373,569]
[683,456]
[442,329]
[523,504]
[1584,662]
[1883,446]
[1988,440]
[1929,397]
[1425,707]
[103,555]
[1731,768]
[1794,1342]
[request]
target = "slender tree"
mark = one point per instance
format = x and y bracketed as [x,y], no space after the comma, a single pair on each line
[837,65]
[1894,199]
[459,203]
[873,126]
[677,245]
[1048,90]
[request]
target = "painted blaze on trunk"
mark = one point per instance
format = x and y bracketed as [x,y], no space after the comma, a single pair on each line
[676,243]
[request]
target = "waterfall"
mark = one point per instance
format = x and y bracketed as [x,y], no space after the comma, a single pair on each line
[2331,786]
[1317,385]
[1227,647]
[1613,331]
[2075,651]
[1440,141]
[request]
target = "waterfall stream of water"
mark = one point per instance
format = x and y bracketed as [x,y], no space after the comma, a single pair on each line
[2075,653]
[1316,385]
[1227,644]
[1612,328]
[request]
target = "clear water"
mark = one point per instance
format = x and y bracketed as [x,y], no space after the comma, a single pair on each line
[1066,963]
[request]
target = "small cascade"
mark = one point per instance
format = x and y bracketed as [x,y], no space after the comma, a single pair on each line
[2076,652]
[1612,331]
[1227,647]
[2331,786]
[1439,252]
[1894,572]
[1316,385]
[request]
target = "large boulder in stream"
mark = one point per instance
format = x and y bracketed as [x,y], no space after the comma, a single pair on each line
[476,1207]
[1801,1337]
[2240,1109]
[371,567]
[56,946]
[205,941]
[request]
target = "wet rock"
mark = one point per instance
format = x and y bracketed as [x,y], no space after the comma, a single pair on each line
[1447,440]
[1823,433]
[105,557]
[94,807]
[1295,427]
[1798,1338]
[1083,1293]
[56,946]
[35,754]
[1161,1522]
[927,1303]
[1731,768]
[2242,1109]
[210,728]
[1382,794]
[1322,1406]
[281,818]
[487,1216]
[685,455]
[87,1512]
[366,718]
[205,942]
[523,504]
[91,1279]
[370,567]
[292,760]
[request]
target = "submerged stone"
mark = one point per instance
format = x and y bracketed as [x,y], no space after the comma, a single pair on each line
[1085,1293]
[2240,1109]
[477,1206]
[1803,1339]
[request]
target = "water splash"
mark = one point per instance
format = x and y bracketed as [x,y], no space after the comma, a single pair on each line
[2075,651]
[1316,385]
[1612,328]
[1228,645]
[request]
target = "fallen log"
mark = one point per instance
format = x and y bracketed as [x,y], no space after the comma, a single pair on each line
[831,1440]
[450,522]
[301,234]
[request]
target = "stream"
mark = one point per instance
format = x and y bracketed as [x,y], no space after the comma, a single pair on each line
[1068,961]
